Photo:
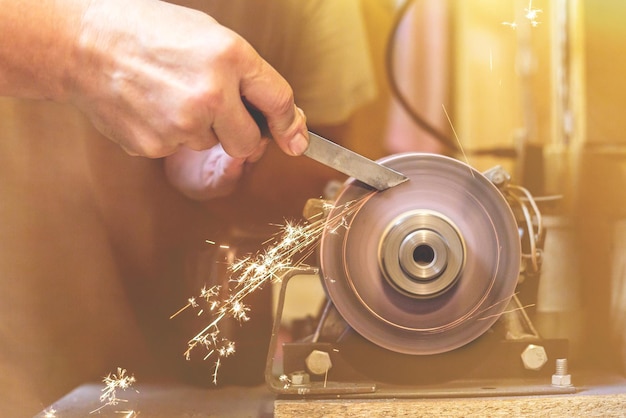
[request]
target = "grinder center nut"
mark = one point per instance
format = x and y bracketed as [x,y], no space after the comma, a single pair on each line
[421,254]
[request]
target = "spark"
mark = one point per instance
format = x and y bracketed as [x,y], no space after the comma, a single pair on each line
[457,138]
[239,311]
[113,382]
[287,249]
[221,246]
[215,370]
[285,380]
[343,223]
[327,206]
[531,14]
[207,295]
[521,308]
[128,414]
[50,413]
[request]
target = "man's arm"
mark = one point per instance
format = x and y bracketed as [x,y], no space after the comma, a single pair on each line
[150,75]
[35,47]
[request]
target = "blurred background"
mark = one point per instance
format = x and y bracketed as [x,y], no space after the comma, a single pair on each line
[98,250]
[537,87]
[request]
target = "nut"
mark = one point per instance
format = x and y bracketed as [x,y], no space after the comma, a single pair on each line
[534,357]
[318,362]
[564,380]
[299,378]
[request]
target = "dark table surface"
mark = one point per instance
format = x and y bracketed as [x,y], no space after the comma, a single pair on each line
[166,400]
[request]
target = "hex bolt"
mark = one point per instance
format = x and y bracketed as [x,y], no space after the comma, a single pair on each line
[318,362]
[534,357]
[561,378]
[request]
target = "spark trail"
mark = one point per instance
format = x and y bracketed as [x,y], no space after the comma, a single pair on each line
[113,382]
[287,250]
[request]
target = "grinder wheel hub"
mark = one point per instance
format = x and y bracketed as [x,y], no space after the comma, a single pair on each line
[424,267]
[421,253]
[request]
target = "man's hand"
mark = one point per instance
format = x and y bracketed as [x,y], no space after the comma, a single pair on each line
[150,75]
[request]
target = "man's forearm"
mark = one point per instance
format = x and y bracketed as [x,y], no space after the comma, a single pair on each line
[36,38]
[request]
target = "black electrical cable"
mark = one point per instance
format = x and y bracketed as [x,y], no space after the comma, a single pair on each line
[406,106]
[395,88]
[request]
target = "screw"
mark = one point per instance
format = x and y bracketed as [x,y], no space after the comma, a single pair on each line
[561,377]
[534,357]
[318,362]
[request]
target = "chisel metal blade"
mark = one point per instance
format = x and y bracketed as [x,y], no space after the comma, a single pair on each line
[349,162]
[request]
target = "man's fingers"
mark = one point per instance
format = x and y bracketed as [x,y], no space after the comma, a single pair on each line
[259,151]
[300,141]
[268,92]
[236,129]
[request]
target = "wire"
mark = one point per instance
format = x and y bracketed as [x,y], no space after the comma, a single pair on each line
[535,237]
[395,88]
[396,92]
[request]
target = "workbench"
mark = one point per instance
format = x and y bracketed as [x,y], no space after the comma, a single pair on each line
[595,397]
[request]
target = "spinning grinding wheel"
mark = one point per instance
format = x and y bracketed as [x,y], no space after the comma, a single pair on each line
[427,266]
